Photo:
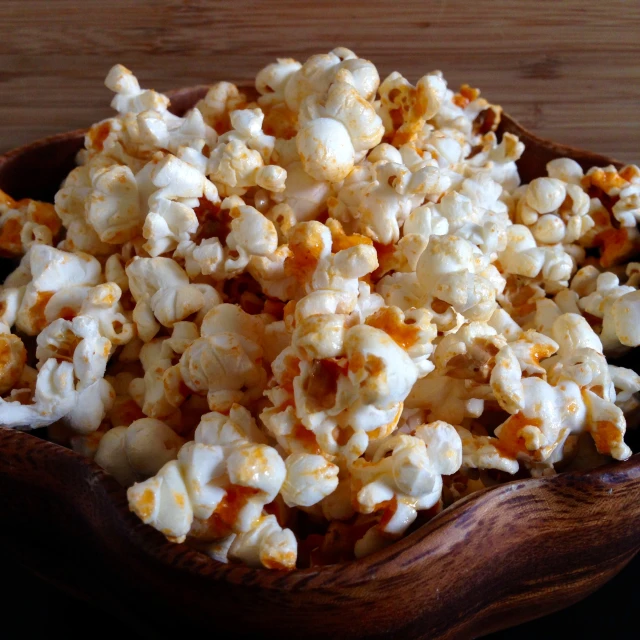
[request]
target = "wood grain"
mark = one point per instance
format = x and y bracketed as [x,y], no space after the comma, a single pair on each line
[502,556]
[567,70]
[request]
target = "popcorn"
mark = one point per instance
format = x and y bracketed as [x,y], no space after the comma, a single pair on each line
[25,223]
[267,545]
[221,479]
[310,478]
[113,209]
[305,195]
[54,398]
[293,82]
[454,273]
[129,97]
[162,502]
[335,131]
[13,357]
[80,342]
[51,271]
[240,159]
[171,219]
[137,451]
[555,210]
[498,160]
[226,366]
[522,257]
[336,300]
[483,452]
[443,398]
[184,137]
[221,100]
[163,294]
[416,104]
[409,479]
[618,308]
[375,200]
[460,215]
[149,392]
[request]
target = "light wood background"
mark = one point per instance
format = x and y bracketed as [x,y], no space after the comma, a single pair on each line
[568,69]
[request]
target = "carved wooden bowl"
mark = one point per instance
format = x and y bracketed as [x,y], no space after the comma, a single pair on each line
[497,558]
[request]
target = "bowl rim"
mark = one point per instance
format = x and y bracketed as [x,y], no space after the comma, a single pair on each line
[183,557]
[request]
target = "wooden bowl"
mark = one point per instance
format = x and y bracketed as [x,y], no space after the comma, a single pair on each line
[498,558]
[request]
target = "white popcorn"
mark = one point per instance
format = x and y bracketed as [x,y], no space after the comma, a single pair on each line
[376,199]
[224,366]
[498,160]
[313,265]
[325,149]
[113,208]
[469,352]
[10,301]
[412,330]
[556,211]
[101,302]
[171,217]
[545,195]
[240,159]
[162,501]
[320,336]
[221,465]
[267,545]
[335,131]
[137,451]
[310,478]
[454,272]
[336,300]
[618,308]
[180,136]
[289,81]
[53,399]
[252,233]
[221,99]
[79,342]
[153,392]
[129,97]
[522,257]
[565,169]
[444,447]
[382,372]
[444,398]
[305,195]
[626,384]
[163,294]
[483,452]
[52,270]
[409,478]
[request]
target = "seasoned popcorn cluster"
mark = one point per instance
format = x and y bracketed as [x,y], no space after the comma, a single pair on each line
[297,325]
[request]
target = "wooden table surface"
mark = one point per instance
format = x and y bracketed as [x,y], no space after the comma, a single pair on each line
[568,69]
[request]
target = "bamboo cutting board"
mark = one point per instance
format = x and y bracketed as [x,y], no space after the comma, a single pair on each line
[568,70]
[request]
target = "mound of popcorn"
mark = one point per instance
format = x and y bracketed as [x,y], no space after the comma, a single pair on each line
[297,323]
